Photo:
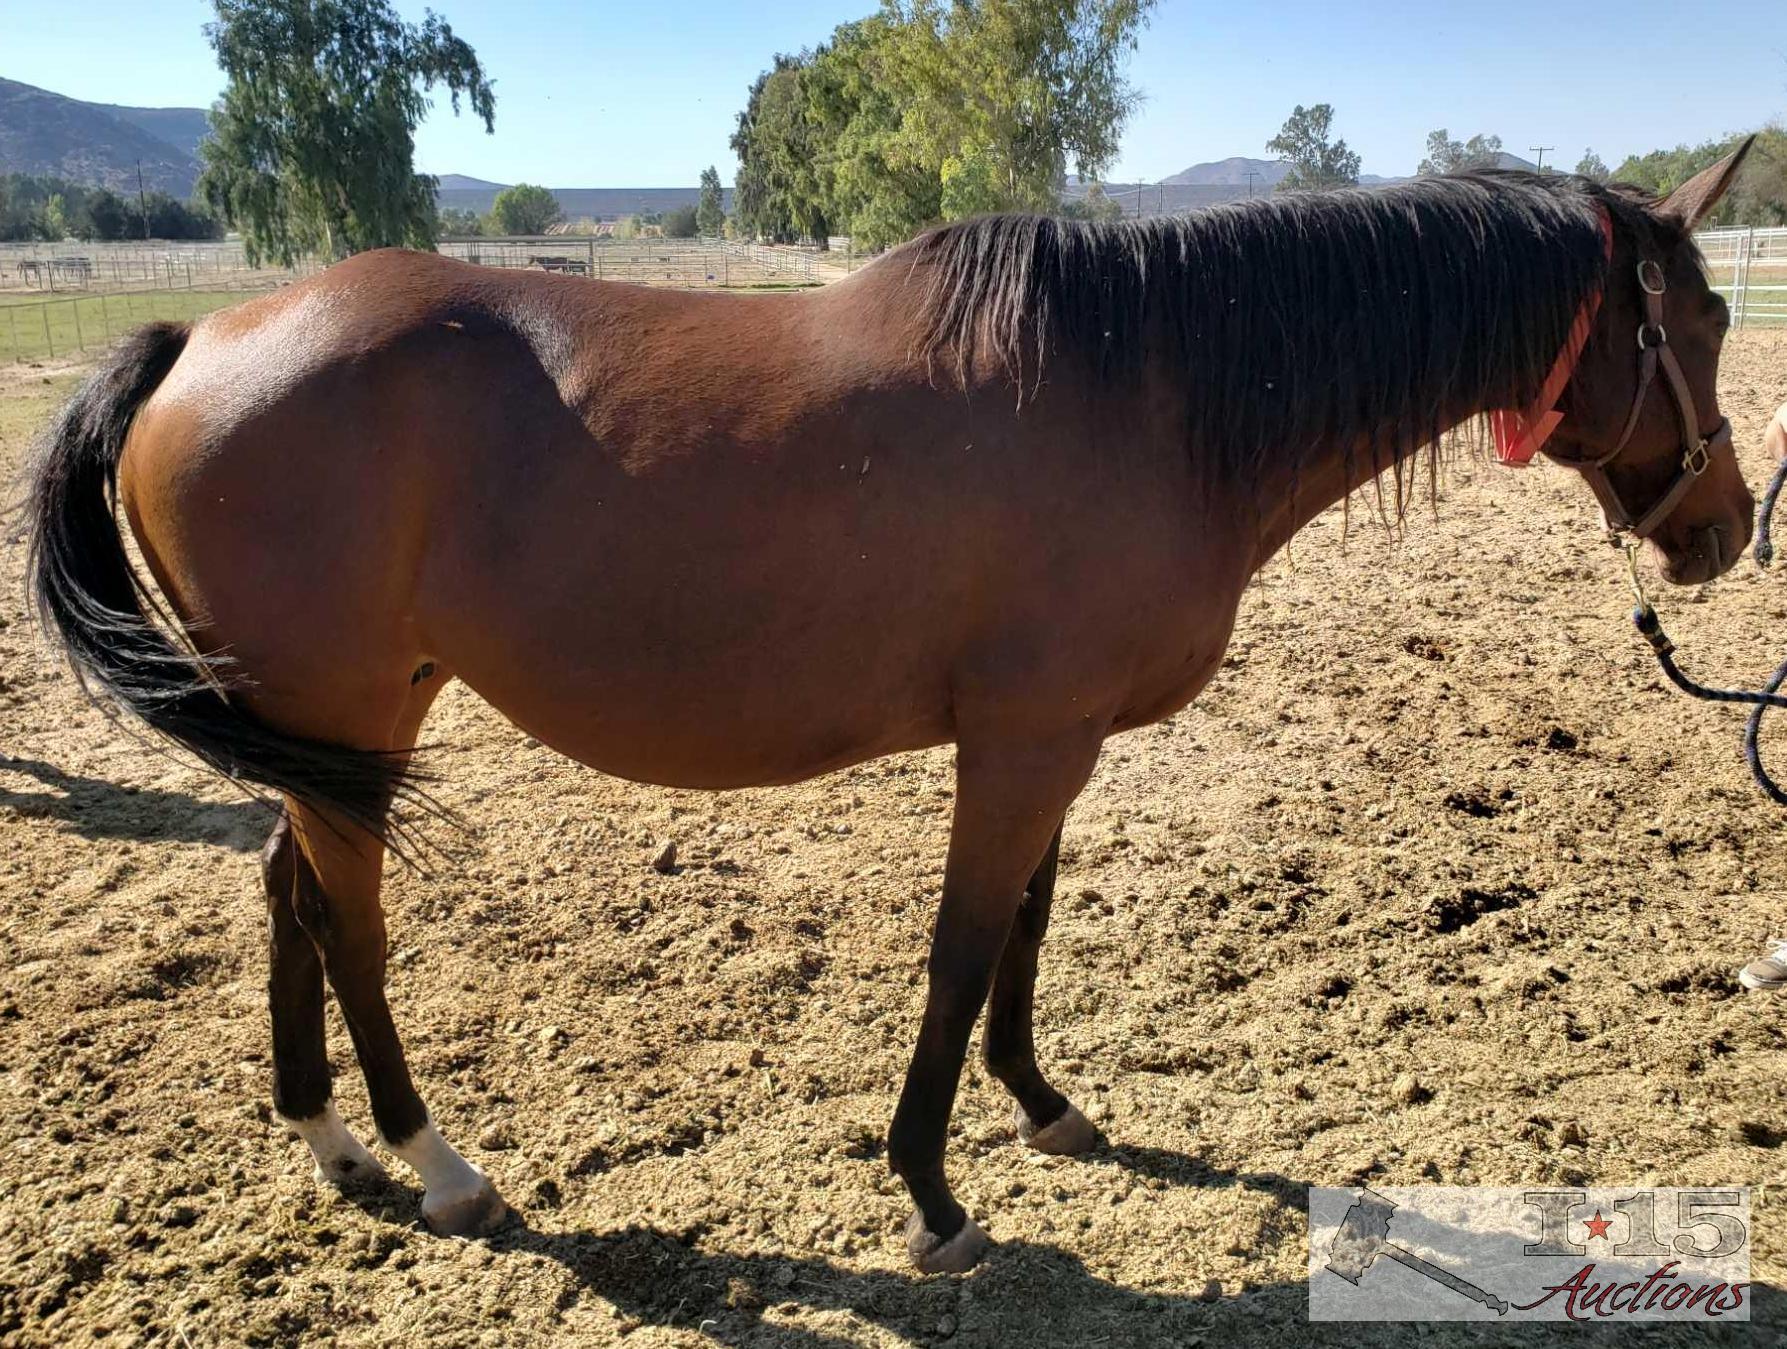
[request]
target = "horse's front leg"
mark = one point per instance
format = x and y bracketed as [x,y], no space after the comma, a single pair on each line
[1045,1119]
[1009,800]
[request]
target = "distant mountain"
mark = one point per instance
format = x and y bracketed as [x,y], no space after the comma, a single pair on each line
[1208,184]
[96,143]
[1165,198]
[182,128]
[1231,172]
[458,182]
[1234,171]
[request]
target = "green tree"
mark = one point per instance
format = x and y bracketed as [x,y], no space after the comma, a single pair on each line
[1316,163]
[1004,94]
[1095,205]
[680,222]
[55,218]
[109,216]
[1592,166]
[878,187]
[1759,197]
[313,141]
[628,227]
[1445,155]
[934,109]
[454,220]
[710,214]
[44,207]
[524,209]
[170,218]
[777,190]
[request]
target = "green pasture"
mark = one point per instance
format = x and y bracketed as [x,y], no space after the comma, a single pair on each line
[35,328]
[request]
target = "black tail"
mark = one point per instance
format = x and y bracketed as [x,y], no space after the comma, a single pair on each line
[87,593]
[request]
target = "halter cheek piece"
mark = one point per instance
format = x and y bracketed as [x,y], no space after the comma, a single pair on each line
[1697,450]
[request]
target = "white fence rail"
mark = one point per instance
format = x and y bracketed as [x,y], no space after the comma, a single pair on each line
[1748,266]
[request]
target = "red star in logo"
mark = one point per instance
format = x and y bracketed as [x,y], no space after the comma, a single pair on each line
[1597,1225]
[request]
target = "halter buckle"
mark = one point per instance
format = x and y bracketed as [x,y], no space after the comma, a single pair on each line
[1648,269]
[1696,459]
[1661,332]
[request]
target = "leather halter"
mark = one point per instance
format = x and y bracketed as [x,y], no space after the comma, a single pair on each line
[1697,449]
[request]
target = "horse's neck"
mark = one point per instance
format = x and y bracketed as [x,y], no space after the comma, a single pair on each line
[1292,495]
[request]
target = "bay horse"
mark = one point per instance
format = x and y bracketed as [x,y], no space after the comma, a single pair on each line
[1002,489]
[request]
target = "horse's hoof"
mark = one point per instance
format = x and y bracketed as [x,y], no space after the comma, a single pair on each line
[473,1214]
[1072,1133]
[933,1255]
[352,1173]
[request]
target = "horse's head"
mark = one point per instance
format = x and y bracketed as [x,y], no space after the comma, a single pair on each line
[1641,412]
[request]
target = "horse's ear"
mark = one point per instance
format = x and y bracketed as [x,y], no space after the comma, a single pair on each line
[1694,200]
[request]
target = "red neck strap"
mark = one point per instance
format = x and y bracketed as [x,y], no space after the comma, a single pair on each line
[1519,434]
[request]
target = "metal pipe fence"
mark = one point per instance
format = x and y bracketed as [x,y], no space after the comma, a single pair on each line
[686,263]
[87,324]
[61,300]
[77,268]
[1748,266]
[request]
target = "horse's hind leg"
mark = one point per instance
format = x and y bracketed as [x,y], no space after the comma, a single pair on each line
[302,1093]
[338,906]
[1044,1117]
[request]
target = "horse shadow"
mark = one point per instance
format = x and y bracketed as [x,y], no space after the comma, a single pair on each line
[101,810]
[1025,1293]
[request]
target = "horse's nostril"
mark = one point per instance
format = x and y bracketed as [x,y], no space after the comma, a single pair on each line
[1714,552]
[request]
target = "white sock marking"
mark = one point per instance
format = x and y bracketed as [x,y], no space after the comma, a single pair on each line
[339,1155]
[446,1176]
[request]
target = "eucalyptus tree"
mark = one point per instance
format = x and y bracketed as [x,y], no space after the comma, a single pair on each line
[312,143]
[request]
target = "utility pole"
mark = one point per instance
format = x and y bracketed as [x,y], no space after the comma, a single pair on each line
[1138,201]
[142,199]
[1540,150]
[1251,175]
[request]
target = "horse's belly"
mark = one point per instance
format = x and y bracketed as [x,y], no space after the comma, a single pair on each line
[681,732]
[704,683]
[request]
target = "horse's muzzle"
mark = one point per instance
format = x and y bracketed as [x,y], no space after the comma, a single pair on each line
[1711,552]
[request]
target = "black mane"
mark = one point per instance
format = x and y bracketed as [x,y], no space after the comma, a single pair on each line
[1373,318]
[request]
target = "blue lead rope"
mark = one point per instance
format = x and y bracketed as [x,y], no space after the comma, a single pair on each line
[1764,551]
[1650,627]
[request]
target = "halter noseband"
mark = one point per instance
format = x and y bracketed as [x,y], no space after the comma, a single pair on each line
[1519,435]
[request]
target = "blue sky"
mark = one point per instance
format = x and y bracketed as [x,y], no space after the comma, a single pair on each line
[640,94]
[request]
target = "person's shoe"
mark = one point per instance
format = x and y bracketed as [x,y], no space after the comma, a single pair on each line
[1769,974]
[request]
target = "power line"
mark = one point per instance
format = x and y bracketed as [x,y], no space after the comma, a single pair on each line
[1540,150]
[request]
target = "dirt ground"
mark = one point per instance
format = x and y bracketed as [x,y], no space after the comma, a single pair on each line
[1437,882]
